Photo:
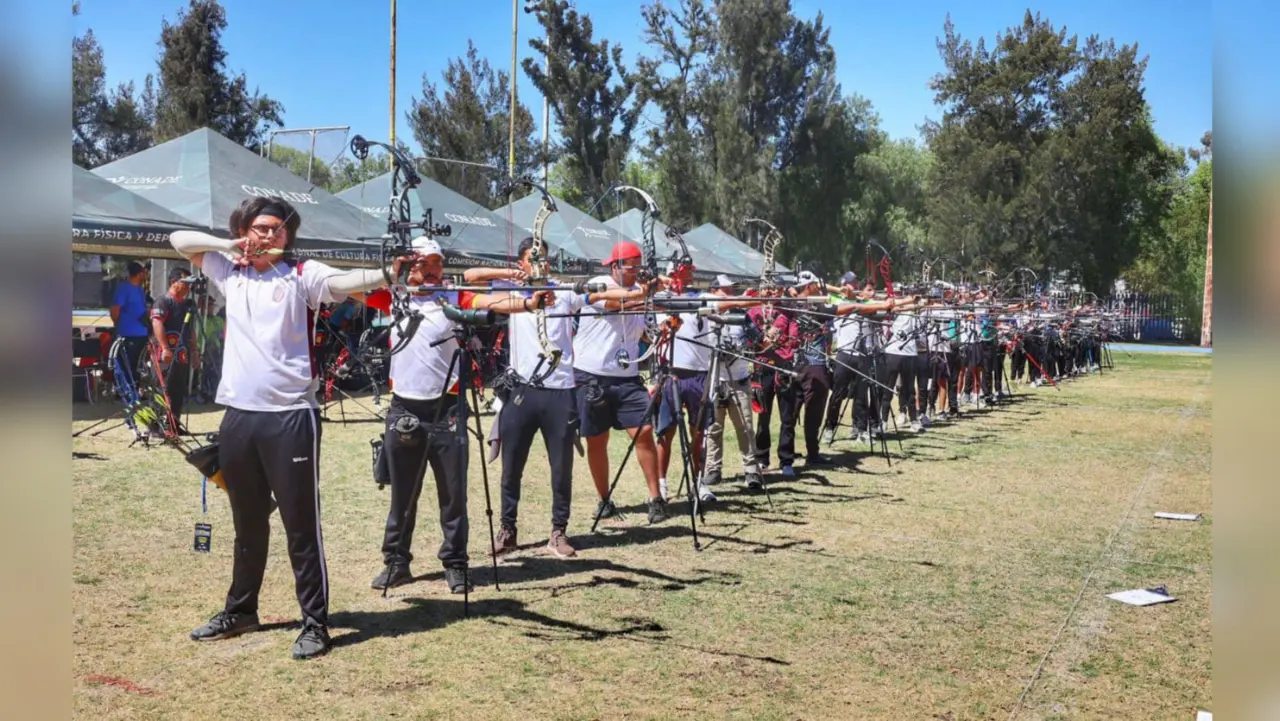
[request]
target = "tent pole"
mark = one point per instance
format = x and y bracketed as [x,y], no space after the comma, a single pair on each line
[511,143]
[392,109]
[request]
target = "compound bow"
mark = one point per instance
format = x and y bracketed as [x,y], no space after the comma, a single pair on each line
[885,267]
[550,353]
[681,271]
[398,240]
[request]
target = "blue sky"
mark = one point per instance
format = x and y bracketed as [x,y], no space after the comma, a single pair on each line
[327,60]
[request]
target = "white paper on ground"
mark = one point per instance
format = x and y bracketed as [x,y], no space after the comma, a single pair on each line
[1178,516]
[1204,716]
[1142,596]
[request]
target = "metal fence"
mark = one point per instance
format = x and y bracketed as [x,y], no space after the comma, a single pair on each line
[1152,317]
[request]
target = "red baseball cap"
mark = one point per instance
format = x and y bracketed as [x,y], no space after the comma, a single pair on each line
[624,250]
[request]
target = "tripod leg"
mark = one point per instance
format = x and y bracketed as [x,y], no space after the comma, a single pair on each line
[644,421]
[484,474]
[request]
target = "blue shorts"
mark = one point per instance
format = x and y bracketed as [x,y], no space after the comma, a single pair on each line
[688,392]
[622,404]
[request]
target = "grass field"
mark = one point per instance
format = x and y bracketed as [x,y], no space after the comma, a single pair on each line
[966,581]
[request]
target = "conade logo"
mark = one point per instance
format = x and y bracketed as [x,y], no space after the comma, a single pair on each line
[284,194]
[470,220]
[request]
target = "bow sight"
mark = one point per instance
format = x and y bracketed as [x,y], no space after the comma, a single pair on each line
[398,240]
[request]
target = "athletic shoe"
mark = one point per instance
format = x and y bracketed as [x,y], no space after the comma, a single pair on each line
[864,437]
[312,642]
[855,434]
[225,625]
[506,541]
[916,427]
[828,436]
[457,581]
[606,509]
[705,495]
[559,545]
[924,420]
[393,574]
[711,478]
[817,460]
[657,510]
[903,420]
[788,471]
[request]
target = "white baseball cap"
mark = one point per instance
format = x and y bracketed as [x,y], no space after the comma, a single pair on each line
[426,246]
[805,278]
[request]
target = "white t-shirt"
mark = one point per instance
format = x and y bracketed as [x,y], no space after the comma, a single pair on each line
[903,341]
[971,330]
[688,355]
[602,334]
[735,337]
[268,360]
[939,321]
[417,370]
[523,334]
[849,331]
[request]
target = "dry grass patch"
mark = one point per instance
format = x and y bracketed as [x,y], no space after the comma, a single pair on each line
[932,588]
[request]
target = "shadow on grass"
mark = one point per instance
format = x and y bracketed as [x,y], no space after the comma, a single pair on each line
[422,615]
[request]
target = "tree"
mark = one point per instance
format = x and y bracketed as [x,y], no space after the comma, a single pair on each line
[1045,154]
[296,162]
[685,40]
[589,91]
[104,126]
[470,121]
[195,90]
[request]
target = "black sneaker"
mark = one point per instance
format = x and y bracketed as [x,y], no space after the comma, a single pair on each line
[312,642]
[606,509]
[657,510]
[226,625]
[393,574]
[817,459]
[457,581]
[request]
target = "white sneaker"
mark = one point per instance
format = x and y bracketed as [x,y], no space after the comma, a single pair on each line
[705,495]
[916,427]
[903,420]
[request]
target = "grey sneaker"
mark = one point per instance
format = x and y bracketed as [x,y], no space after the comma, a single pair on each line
[312,642]
[225,625]
[754,481]
[828,436]
[559,545]
[606,509]
[705,495]
[457,581]
[657,510]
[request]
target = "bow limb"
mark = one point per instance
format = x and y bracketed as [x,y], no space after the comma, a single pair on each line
[768,248]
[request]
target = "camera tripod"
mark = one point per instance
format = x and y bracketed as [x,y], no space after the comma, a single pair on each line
[662,376]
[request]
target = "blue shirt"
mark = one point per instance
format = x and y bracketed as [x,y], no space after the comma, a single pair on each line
[133,310]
